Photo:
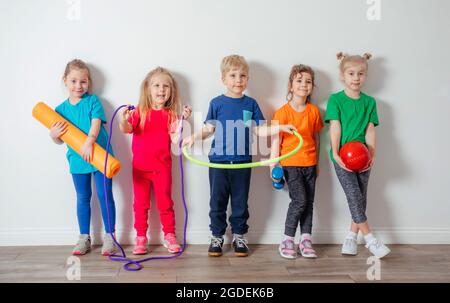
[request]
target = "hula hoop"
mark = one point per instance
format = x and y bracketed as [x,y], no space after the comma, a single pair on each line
[246,165]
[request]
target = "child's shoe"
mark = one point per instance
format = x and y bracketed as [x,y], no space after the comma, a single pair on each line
[305,248]
[350,247]
[240,246]
[170,242]
[287,249]
[83,245]
[377,248]
[141,246]
[109,247]
[215,246]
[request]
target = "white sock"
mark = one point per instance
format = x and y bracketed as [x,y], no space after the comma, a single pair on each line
[288,238]
[369,237]
[237,236]
[352,235]
[308,236]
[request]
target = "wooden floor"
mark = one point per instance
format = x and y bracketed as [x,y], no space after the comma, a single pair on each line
[406,263]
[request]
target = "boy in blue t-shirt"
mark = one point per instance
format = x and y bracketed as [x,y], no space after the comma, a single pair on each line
[230,118]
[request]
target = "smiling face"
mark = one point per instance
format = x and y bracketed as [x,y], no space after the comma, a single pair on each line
[160,88]
[354,76]
[302,85]
[77,83]
[236,81]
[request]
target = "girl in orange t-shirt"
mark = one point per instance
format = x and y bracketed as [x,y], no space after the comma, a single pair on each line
[300,170]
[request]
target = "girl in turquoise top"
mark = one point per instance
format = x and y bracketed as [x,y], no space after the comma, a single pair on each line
[85,112]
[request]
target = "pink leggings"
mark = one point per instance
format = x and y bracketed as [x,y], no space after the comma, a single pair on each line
[162,187]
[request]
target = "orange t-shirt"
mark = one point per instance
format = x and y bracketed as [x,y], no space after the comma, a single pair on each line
[308,123]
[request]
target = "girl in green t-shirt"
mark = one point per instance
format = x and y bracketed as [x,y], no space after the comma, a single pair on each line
[353,116]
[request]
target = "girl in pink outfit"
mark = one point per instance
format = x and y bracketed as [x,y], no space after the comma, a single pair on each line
[154,125]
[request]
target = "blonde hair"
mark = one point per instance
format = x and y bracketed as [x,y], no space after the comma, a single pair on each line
[145,100]
[233,61]
[295,70]
[79,65]
[352,59]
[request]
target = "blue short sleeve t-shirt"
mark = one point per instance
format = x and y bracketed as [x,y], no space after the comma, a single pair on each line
[233,119]
[81,115]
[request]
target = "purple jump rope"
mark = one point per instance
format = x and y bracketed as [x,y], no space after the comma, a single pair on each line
[123,258]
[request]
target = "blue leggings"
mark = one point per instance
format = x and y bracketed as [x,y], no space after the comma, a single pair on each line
[83,188]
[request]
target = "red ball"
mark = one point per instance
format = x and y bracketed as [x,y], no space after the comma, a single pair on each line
[355,155]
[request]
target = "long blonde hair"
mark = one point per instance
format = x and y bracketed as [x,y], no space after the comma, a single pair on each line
[145,100]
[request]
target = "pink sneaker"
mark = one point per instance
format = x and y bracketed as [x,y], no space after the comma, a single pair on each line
[170,242]
[287,249]
[306,250]
[141,246]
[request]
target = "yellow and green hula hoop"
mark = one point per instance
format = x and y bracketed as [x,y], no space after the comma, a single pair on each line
[246,165]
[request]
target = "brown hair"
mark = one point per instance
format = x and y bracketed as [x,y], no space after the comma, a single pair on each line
[145,100]
[295,70]
[346,59]
[79,65]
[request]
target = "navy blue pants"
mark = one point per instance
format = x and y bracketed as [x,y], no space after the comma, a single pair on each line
[226,183]
[83,188]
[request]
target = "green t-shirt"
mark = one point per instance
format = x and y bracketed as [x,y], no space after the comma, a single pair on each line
[354,115]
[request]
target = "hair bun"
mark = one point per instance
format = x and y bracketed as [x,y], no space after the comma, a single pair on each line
[367,56]
[340,56]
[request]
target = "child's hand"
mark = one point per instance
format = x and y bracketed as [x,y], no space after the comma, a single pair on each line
[86,150]
[58,129]
[287,128]
[340,162]
[369,165]
[187,112]
[126,114]
[189,141]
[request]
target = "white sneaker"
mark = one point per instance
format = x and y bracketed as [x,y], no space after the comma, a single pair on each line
[378,249]
[350,247]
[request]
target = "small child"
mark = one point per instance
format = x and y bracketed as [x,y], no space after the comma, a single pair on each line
[85,111]
[353,116]
[154,125]
[300,170]
[230,117]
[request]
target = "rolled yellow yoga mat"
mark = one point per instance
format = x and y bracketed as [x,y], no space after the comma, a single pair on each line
[75,138]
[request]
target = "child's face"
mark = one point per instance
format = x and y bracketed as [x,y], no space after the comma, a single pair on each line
[236,82]
[77,82]
[354,76]
[160,90]
[302,85]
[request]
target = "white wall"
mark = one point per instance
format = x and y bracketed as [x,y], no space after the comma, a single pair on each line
[122,40]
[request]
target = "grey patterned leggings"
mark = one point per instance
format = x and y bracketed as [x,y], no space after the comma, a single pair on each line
[355,189]
[301,182]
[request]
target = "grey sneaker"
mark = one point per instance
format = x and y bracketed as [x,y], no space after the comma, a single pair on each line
[83,245]
[215,246]
[378,249]
[350,247]
[109,247]
[240,245]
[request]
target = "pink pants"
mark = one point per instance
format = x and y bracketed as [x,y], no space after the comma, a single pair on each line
[162,187]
